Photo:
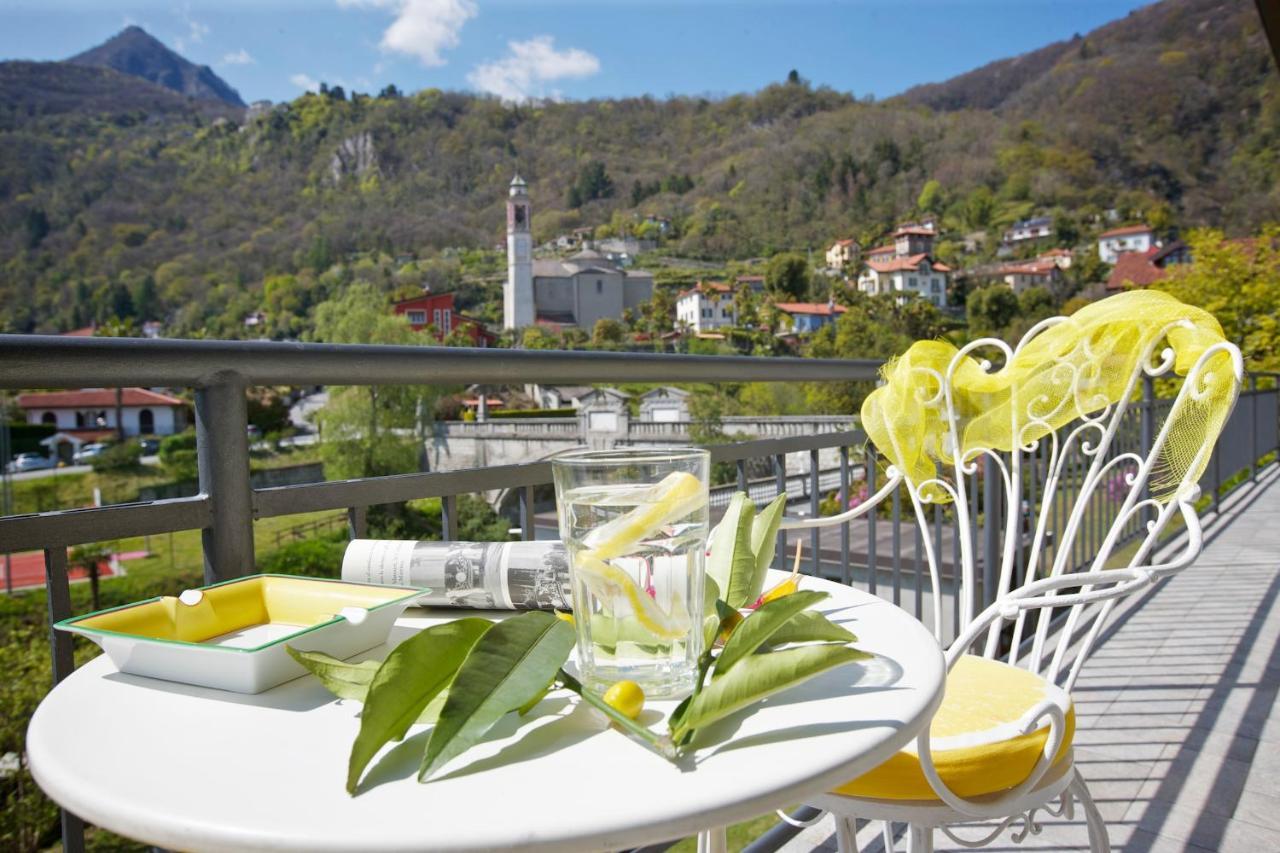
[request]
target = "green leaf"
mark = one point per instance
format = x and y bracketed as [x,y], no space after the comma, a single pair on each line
[342,679]
[757,677]
[732,563]
[710,594]
[757,628]
[809,626]
[351,680]
[510,664]
[411,676]
[764,542]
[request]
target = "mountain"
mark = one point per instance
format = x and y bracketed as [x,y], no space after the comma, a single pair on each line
[136,52]
[1171,114]
[32,89]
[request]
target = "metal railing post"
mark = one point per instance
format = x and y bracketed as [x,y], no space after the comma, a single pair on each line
[1253,427]
[1147,435]
[64,663]
[222,454]
[991,525]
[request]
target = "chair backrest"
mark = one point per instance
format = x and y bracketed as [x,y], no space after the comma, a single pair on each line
[1072,519]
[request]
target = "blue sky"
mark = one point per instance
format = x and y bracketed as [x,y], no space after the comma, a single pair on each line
[273,49]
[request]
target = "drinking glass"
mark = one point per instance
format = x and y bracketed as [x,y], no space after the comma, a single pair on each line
[634,522]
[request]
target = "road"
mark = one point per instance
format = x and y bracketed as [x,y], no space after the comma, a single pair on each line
[71,469]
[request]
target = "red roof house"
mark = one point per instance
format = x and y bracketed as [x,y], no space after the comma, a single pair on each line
[437,311]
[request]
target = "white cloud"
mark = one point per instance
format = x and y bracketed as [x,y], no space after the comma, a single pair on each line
[305,81]
[528,66]
[196,31]
[422,28]
[240,57]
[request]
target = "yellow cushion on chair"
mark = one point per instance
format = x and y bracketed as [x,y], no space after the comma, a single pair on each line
[975,741]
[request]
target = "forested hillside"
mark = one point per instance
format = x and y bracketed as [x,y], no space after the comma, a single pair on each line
[128,211]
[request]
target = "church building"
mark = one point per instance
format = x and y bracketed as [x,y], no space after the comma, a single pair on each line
[574,291]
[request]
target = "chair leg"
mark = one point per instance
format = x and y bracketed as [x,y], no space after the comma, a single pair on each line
[846,833]
[713,841]
[1098,840]
[919,839]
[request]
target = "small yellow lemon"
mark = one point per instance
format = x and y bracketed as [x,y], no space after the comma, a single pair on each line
[565,616]
[626,698]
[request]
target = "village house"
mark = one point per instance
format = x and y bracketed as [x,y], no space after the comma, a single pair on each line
[706,306]
[89,415]
[1141,269]
[436,311]
[917,274]
[843,255]
[804,318]
[1024,275]
[1129,238]
[1024,230]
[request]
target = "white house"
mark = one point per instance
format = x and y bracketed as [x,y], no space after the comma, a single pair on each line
[1039,272]
[143,412]
[1129,238]
[575,291]
[917,274]
[1023,230]
[842,254]
[706,306]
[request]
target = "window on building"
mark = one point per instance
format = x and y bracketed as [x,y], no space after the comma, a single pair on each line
[49,418]
[435,318]
[706,312]
[146,422]
[418,318]
[911,281]
[599,286]
[448,321]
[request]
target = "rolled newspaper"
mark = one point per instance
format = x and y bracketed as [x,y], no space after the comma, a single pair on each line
[477,575]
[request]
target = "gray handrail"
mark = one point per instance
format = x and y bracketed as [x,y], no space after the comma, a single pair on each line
[53,361]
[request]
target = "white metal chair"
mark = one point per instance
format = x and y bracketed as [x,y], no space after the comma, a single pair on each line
[1055,591]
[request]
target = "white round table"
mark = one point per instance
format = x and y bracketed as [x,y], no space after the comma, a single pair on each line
[189,768]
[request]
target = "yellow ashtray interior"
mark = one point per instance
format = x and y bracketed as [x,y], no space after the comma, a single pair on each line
[245,613]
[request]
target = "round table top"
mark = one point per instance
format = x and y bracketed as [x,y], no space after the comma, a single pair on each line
[191,768]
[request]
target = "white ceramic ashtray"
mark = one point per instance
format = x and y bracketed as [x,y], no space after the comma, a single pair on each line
[232,635]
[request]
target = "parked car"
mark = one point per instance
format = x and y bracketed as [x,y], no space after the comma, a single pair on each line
[85,454]
[31,462]
[150,446]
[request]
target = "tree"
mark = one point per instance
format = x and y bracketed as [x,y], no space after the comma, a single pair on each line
[979,208]
[608,333]
[1238,282]
[593,183]
[990,310]
[91,557]
[787,277]
[146,299]
[930,199]
[362,427]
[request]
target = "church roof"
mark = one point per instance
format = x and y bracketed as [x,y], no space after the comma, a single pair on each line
[518,181]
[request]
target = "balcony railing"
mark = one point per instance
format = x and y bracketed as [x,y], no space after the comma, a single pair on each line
[880,553]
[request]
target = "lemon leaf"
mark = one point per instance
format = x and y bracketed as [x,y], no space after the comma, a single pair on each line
[757,628]
[764,542]
[809,626]
[757,677]
[413,674]
[507,667]
[342,679]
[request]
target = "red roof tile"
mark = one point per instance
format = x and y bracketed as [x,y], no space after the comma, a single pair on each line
[96,397]
[823,308]
[907,263]
[1134,269]
[1125,230]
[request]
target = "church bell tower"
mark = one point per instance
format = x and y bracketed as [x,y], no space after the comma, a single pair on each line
[517,295]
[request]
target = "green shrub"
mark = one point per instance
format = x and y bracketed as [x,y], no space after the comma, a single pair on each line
[320,557]
[178,455]
[567,412]
[118,457]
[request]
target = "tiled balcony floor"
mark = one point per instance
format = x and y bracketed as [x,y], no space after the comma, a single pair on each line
[1178,729]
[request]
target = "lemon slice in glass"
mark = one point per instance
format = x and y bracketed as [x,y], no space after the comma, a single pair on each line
[611,584]
[671,499]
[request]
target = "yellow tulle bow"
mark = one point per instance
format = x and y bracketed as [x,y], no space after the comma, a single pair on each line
[1075,368]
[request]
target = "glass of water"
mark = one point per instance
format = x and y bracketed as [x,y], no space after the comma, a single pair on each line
[634,521]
